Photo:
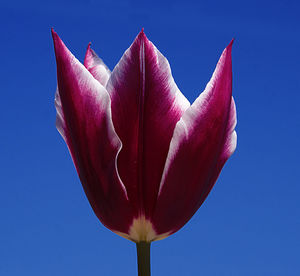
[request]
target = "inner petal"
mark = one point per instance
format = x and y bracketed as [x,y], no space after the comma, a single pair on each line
[146,105]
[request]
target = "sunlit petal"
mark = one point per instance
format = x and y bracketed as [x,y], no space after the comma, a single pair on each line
[203,140]
[84,120]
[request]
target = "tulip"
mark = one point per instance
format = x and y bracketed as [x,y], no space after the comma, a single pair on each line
[146,157]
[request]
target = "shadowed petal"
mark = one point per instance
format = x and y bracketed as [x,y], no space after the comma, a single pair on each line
[96,66]
[203,140]
[84,120]
[146,105]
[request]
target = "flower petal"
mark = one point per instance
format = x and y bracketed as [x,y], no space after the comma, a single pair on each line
[146,105]
[96,66]
[84,120]
[203,140]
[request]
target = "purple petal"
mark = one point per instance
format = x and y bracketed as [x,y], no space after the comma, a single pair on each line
[146,105]
[84,120]
[96,66]
[203,140]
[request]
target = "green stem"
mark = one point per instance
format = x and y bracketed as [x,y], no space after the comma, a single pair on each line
[143,258]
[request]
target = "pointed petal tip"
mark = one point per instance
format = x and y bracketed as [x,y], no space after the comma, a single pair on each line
[229,47]
[60,49]
[226,55]
[141,35]
[88,51]
[56,40]
[54,34]
[88,55]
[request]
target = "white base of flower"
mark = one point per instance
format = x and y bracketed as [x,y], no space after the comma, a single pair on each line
[142,230]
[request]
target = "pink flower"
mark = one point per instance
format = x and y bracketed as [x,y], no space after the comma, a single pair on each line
[146,157]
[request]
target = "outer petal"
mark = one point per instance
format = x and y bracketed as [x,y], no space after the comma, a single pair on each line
[203,140]
[146,105]
[84,120]
[96,66]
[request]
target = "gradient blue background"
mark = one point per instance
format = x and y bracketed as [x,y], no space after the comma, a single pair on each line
[250,223]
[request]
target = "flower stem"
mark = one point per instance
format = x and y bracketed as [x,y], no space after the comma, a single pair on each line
[143,258]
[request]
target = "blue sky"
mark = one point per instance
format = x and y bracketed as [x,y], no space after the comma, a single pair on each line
[249,224]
